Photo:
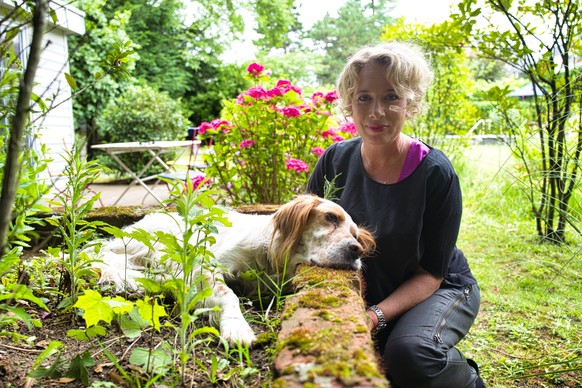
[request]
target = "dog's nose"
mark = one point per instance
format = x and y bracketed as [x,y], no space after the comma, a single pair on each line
[355,249]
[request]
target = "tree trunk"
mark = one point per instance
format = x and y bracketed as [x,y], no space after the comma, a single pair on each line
[16,142]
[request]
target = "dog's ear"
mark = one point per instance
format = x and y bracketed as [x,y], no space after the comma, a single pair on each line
[289,223]
[366,240]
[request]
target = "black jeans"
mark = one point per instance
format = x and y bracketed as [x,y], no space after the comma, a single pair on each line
[418,349]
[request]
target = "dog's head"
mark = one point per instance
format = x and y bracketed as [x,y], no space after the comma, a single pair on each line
[319,232]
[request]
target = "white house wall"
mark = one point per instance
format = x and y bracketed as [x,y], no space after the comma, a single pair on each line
[56,129]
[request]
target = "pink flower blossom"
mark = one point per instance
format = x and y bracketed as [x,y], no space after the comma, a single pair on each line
[337,138]
[329,133]
[316,97]
[221,125]
[297,165]
[286,86]
[317,151]
[348,127]
[256,92]
[197,180]
[246,143]
[255,69]
[331,96]
[275,92]
[290,111]
[204,127]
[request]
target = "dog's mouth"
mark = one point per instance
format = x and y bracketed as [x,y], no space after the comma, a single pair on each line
[339,263]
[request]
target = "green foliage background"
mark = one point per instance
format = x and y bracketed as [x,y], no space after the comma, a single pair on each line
[144,114]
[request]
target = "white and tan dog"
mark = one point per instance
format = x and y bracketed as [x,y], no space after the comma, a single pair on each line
[307,230]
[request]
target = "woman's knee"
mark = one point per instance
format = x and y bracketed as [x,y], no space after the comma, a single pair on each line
[412,361]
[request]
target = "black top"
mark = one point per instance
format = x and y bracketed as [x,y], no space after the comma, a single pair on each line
[415,221]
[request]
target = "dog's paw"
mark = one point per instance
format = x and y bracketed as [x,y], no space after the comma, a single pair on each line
[236,330]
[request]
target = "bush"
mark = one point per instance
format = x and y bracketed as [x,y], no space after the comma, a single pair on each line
[141,114]
[268,140]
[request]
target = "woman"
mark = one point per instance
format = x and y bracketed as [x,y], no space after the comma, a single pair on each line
[421,294]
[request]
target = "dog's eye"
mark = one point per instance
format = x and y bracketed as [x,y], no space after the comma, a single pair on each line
[331,217]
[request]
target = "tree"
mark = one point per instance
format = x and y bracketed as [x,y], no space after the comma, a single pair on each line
[180,55]
[20,119]
[276,20]
[86,55]
[338,37]
[542,41]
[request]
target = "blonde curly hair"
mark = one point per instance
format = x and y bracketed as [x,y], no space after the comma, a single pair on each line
[406,69]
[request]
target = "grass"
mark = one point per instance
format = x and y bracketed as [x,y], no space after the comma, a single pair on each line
[528,332]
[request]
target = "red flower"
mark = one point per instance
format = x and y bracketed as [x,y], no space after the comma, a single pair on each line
[204,127]
[331,96]
[197,180]
[255,69]
[290,111]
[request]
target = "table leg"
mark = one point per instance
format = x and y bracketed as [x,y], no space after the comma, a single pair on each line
[136,177]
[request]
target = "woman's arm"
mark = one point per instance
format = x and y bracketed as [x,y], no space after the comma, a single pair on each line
[410,293]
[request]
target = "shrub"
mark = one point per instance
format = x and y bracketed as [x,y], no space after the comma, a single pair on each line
[141,114]
[268,140]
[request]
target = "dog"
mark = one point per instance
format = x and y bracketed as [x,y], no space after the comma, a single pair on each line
[308,230]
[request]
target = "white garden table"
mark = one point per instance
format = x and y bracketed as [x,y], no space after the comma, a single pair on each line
[155,149]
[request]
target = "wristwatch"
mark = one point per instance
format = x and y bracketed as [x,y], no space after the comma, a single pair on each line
[381,318]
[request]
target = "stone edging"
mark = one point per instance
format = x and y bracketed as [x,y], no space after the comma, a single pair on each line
[324,339]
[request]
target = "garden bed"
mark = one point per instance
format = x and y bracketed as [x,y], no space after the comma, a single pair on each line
[321,337]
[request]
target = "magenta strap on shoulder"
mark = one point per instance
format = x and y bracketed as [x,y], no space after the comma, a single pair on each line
[416,153]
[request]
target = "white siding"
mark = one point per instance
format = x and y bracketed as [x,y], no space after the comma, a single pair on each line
[56,129]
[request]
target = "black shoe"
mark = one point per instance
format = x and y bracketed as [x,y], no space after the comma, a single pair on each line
[479,382]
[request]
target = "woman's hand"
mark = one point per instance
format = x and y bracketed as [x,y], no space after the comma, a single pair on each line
[410,293]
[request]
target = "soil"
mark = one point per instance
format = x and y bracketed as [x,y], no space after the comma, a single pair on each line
[17,358]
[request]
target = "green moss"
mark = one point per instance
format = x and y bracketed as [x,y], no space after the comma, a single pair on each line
[290,309]
[265,339]
[324,314]
[361,329]
[317,300]
[329,347]
[333,279]
[300,339]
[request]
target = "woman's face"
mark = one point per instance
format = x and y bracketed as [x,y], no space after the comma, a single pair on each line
[378,112]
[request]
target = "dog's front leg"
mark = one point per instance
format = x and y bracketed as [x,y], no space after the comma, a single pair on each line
[230,320]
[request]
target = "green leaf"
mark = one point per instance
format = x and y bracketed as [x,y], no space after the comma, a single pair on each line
[96,309]
[51,349]
[155,361]
[119,305]
[151,311]
[133,324]
[71,81]
[87,334]
[78,367]
[20,291]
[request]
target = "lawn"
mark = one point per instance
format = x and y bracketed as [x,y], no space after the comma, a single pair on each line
[531,312]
